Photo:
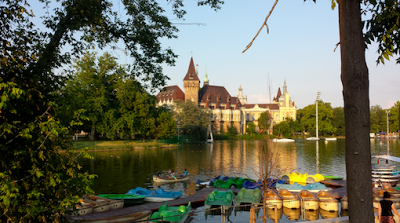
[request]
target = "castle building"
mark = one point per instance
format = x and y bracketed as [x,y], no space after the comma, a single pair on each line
[227,110]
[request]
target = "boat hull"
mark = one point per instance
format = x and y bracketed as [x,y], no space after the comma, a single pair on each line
[327,202]
[169,180]
[308,200]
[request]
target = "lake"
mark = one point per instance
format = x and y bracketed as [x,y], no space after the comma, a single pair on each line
[120,171]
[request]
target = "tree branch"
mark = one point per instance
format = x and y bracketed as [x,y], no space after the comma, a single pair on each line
[265,23]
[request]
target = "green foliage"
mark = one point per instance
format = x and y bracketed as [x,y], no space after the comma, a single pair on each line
[166,126]
[251,129]
[377,119]
[263,121]
[338,121]
[232,132]
[282,130]
[325,116]
[194,121]
[383,28]
[394,117]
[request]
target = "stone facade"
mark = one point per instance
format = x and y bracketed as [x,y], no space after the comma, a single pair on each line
[228,110]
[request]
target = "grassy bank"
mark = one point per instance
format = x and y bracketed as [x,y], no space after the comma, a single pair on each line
[120,144]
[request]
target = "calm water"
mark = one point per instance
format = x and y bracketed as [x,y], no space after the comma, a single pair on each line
[120,171]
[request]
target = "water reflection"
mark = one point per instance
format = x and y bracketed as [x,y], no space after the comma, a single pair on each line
[120,171]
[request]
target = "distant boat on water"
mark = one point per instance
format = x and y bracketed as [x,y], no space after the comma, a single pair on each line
[283,140]
[312,138]
[209,133]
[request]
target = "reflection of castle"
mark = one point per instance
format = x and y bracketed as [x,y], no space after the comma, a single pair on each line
[225,109]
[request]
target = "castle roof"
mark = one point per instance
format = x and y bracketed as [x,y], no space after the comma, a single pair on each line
[191,74]
[214,92]
[171,93]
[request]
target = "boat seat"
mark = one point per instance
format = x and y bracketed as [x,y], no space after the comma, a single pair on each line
[182,209]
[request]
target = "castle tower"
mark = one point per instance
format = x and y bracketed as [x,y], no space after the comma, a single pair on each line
[191,84]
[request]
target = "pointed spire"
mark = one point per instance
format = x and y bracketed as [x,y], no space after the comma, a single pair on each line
[191,73]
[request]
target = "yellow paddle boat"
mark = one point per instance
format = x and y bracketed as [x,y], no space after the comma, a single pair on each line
[302,178]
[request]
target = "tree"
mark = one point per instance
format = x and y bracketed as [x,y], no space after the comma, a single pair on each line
[377,119]
[251,128]
[283,129]
[232,131]
[165,125]
[325,115]
[38,183]
[394,117]
[338,121]
[194,121]
[264,121]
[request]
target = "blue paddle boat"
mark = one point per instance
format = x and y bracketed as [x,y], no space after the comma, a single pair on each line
[156,195]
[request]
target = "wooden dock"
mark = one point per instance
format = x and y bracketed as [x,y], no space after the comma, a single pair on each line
[198,197]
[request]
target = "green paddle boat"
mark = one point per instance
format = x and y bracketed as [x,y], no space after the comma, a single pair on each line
[328,177]
[231,183]
[248,196]
[219,198]
[171,214]
[129,199]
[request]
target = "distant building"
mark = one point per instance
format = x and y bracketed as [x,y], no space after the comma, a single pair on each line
[227,110]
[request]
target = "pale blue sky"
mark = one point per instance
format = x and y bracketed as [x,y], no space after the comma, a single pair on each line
[299,48]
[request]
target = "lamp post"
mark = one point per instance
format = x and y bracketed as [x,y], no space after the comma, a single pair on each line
[387,123]
[316,111]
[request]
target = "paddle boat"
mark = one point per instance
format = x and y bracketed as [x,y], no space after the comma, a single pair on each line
[97,206]
[251,184]
[159,195]
[283,140]
[158,179]
[302,178]
[344,204]
[171,214]
[395,195]
[83,208]
[289,199]
[296,187]
[386,172]
[231,182]
[327,202]
[211,181]
[273,199]
[219,198]
[248,196]
[330,177]
[127,199]
[308,200]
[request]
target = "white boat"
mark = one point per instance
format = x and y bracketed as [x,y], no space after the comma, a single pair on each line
[283,140]
[327,202]
[308,200]
[331,139]
[312,138]
[385,172]
[289,199]
[209,133]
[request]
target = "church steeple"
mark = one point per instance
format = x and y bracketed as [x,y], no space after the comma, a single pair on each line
[191,83]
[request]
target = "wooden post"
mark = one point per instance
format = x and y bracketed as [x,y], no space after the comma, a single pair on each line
[276,213]
[252,214]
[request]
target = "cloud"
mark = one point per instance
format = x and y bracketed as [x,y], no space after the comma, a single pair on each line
[258,98]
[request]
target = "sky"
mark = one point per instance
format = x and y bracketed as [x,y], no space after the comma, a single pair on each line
[299,49]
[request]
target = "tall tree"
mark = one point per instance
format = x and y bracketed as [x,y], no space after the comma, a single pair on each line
[325,115]
[338,121]
[194,121]
[394,117]
[264,121]
[377,119]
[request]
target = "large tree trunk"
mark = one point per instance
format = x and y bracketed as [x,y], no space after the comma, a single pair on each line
[354,75]
[93,132]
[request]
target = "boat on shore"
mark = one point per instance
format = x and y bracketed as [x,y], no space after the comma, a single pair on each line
[158,179]
[289,199]
[308,200]
[327,202]
[273,199]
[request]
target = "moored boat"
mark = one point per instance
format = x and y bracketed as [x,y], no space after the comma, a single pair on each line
[344,204]
[97,206]
[273,199]
[308,200]
[283,140]
[155,195]
[248,196]
[219,198]
[331,139]
[330,177]
[302,178]
[158,179]
[113,203]
[128,199]
[171,214]
[327,202]
[386,172]
[289,199]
